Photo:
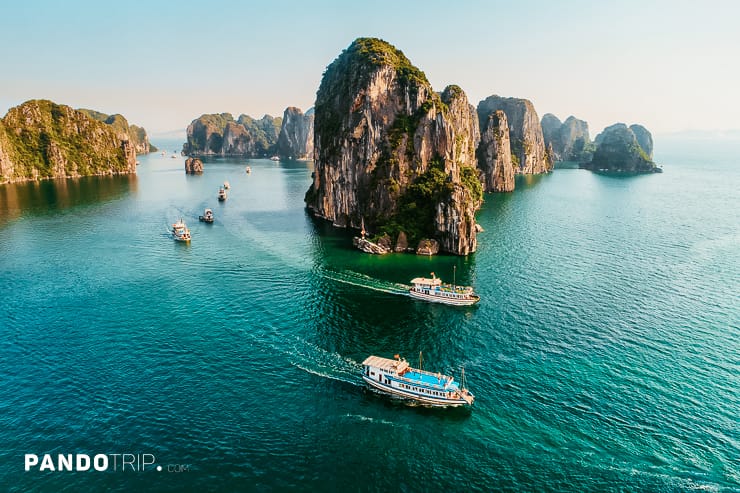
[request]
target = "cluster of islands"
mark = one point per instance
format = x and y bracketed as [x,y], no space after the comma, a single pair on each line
[401,163]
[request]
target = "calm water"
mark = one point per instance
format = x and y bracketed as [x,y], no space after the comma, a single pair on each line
[605,353]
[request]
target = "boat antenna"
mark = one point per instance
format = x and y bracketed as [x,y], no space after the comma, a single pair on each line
[454,276]
[421,361]
[462,370]
[362,226]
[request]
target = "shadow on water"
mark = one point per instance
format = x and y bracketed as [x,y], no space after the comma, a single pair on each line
[359,304]
[50,196]
[529,181]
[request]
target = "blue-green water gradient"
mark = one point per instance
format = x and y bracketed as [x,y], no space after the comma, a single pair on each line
[604,354]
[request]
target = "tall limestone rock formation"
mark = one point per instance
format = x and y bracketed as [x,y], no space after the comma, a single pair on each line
[618,150]
[494,154]
[392,152]
[644,138]
[575,140]
[136,135]
[570,140]
[551,133]
[296,134]
[527,143]
[221,135]
[42,139]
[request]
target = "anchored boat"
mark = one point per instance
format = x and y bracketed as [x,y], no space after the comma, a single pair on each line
[436,291]
[207,216]
[180,232]
[396,377]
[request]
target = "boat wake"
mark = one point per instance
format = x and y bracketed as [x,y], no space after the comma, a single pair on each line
[318,361]
[367,419]
[367,282]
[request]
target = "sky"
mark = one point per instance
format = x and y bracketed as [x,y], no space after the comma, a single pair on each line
[673,66]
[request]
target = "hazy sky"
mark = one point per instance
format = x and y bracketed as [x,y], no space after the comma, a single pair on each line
[670,65]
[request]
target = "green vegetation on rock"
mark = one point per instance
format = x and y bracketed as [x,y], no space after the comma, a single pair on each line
[417,204]
[392,152]
[618,150]
[220,134]
[42,139]
[349,73]
[137,135]
[471,181]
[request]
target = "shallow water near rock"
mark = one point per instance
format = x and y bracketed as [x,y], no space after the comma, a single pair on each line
[603,354]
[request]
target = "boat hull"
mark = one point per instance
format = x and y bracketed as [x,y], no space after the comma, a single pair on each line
[446,301]
[425,400]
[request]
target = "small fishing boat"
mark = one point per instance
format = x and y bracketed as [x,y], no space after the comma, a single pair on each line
[227,185]
[397,378]
[274,158]
[222,194]
[248,169]
[180,231]
[436,291]
[207,216]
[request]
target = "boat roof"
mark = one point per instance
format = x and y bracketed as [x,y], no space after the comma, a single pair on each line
[383,363]
[423,280]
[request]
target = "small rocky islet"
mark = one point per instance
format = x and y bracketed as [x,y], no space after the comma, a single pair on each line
[404,163]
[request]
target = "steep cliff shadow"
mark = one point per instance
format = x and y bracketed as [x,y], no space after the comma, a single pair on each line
[359,303]
[45,196]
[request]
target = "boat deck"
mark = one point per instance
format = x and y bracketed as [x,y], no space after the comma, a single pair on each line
[424,378]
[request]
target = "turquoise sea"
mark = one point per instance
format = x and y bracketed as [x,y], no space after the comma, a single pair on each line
[604,355]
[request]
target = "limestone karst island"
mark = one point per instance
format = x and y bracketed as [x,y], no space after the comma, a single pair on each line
[402,164]
[41,139]
[391,246]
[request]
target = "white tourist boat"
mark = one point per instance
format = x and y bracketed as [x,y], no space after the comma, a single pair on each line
[396,377]
[436,291]
[274,158]
[180,231]
[222,194]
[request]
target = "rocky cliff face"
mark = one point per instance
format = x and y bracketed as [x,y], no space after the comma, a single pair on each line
[393,152]
[570,140]
[494,154]
[575,140]
[135,134]
[644,138]
[296,134]
[551,133]
[618,150]
[221,135]
[42,139]
[528,148]
[193,166]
